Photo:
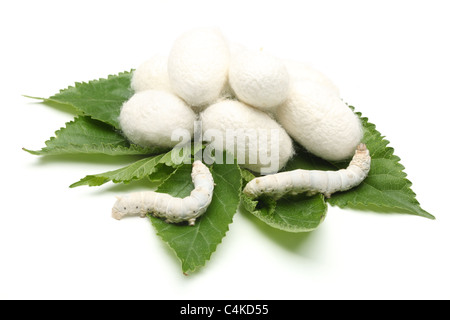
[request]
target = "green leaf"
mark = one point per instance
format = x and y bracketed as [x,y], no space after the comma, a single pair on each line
[135,171]
[138,170]
[85,135]
[293,214]
[161,173]
[101,99]
[386,186]
[193,245]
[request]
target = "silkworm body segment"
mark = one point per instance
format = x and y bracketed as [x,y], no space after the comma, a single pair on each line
[169,208]
[312,181]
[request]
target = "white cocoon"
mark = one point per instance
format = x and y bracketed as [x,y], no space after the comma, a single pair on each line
[258,79]
[198,66]
[320,121]
[149,118]
[242,130]
[301,72]
[151,75]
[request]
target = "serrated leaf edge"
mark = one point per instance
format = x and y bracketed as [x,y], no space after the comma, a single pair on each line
[396,159]
[133,148]
[133,177]
[75,86]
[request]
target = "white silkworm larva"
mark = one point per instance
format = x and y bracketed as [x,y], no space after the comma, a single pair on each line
[312,181]
[169,208]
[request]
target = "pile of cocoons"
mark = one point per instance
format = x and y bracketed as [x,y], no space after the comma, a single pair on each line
[231,87]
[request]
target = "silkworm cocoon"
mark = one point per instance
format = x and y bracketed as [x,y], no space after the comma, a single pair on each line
[151,75]
[258,79]
[312,181]
[198,66]
[301,72]
[149,118]
[320,121]
[257,141]
[164,206]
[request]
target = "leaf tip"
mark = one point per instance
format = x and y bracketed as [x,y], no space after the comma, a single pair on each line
[428,215]
[81,182]
[33,152]
[31,97]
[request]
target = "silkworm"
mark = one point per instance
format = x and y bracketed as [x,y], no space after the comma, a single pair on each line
[169,208]
[312,181]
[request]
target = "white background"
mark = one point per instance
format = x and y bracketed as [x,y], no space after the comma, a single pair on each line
[389,58]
